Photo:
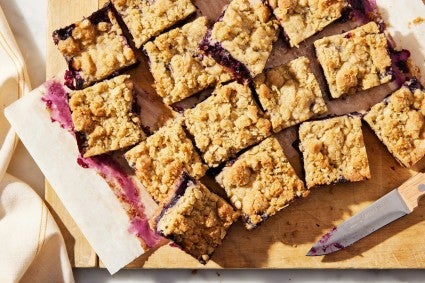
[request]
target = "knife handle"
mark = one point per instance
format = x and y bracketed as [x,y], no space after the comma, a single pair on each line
[412,190]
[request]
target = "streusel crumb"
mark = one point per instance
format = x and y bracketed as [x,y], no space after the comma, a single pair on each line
[398,122]
[261,182]
[333,151]
[290,93]
[355,60]
[195,219]
[103,116]
[147,19]
[226,122]
[177,66]
[163,157]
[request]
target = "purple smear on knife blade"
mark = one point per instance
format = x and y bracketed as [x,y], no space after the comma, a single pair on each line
[56,100]
[325,238]
[324,247]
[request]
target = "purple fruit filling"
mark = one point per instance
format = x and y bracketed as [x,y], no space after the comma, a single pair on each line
[399,64]
[182,184]
[363,10]
[224,58]
[414,84]
[114,175]
[63,33]
[248,221]
[56,100]
[72,78]
[100,15]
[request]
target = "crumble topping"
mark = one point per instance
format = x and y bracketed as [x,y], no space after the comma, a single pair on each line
[198,220]
[398,122]
[226,122]
[261,182]
[290,93]
[333,151]
[94,48]
[147,19]
[162,157]
[103,114]
[247,31]
[355,60]
[302,19]
[177,66]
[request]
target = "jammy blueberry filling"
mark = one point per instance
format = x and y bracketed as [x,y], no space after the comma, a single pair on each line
[224,58]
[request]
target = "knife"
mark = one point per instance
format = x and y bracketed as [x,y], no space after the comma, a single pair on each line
[397,203]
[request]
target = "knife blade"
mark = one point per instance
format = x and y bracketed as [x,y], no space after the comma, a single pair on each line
[395,204]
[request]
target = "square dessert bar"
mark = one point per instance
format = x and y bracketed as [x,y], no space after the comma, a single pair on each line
[146,18]
[162,157]
[261,182]
[226,122]
[194,218]
[355,60]
[290,93]
[104,116]
[302,19]
[94,48]
[177,66]
[399,122]
[333,151]
[242,38]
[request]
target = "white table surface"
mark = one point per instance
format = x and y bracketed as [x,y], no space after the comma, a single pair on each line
[27,19]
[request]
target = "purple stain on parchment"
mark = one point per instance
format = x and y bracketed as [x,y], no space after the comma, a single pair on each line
[56,100]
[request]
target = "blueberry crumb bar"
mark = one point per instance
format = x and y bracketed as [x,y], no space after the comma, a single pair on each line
[159,160]
[261,182]
[104,117]
[242,38]
[194,218]
[290,93]
[302,19]
[333,151]
[94,48]
[146,19]
[398,122]
[226,122]
[355,60]
[177,66]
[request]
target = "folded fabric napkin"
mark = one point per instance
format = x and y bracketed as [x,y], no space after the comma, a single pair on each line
[32,248]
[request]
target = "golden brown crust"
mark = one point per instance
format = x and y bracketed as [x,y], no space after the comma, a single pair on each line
[399,123]
[197,222]
[226,122]
[146,19]
[290,93]
[333,151]
[302,19]
[176,65]
[356,60]
[163,157]
[103,113]
[261,182]
[247,31]
[98,50]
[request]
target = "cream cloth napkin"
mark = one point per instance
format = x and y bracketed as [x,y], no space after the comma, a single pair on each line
[31,246]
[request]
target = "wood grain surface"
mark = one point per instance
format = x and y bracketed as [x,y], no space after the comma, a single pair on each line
[283,240]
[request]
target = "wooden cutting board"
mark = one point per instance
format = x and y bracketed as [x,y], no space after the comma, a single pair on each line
[283,240]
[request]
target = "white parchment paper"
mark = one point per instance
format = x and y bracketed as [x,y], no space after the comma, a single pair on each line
[85,194]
